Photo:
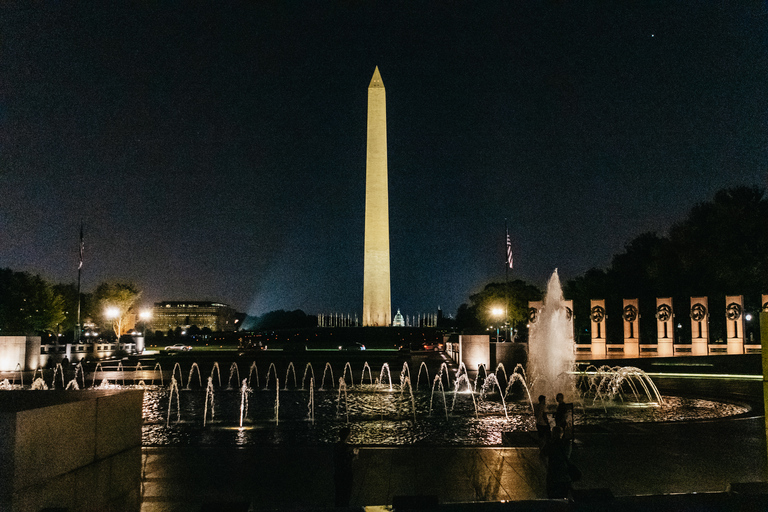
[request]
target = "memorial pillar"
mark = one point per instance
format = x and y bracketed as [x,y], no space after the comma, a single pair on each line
[534,308]
[569,315]
[597,319]
[631,318]
[763,318]
[764,343]
[665,327]
[734,323]
[699,326]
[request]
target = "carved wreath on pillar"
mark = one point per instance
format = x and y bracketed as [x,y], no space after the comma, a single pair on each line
[664,312]
[630,313]
[765,307]
[568,313]
[597,313]
[698,312]
[733,311]
[533,315]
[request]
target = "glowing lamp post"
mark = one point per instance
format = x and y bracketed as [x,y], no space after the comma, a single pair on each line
[497,313]
[113,313]
[145,316]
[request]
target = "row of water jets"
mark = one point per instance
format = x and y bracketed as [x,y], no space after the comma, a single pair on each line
[345,384]
[601,384]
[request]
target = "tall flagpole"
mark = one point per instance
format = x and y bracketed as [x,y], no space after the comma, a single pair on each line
[507,266]
[78,328]
[506,275]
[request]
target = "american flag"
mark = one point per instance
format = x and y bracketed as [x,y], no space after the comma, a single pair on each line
[509,251]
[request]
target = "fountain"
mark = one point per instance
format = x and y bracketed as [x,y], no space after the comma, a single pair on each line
[307,368]
[482,406]
[423,366]
[272,370]
[243,401]
[362,375]
[311,403]
[290,371]
[174,388]
[325,370]
[551,355]
[191,373]
[250,374]
[208,394]
[233,370]
[475,410]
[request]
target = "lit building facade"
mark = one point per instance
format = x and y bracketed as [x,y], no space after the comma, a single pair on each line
[213,315]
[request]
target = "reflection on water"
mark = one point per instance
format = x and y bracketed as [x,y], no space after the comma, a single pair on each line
[378,417]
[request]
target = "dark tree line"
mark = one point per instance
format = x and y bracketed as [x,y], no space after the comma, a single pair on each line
[31,305]
[28,304]
[719,249]
[280,319]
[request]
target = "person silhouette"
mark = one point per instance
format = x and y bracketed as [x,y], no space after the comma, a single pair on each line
[542,420]
[343,476]
[558,462]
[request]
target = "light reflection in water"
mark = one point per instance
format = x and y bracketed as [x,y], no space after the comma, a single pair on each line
[378,418]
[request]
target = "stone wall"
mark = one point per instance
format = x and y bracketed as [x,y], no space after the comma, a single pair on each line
[64,449]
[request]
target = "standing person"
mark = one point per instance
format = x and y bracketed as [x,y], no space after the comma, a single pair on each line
[558,476]
[343,455]
[542,420]
[561,413]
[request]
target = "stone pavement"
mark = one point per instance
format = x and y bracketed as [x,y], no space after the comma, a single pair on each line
[184,478]
[630,460]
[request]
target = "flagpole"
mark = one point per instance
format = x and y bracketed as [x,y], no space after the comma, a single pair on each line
[78,328]
[506,277]
[507,265]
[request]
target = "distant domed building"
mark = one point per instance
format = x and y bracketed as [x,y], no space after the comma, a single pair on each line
[398,320]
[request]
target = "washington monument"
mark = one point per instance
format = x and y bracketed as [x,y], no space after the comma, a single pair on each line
[377,307]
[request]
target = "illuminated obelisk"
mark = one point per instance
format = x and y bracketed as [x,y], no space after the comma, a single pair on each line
[377,308]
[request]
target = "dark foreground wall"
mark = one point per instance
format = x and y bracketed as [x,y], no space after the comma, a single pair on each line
[79,450]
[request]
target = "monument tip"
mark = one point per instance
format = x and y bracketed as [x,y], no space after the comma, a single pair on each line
[376,80]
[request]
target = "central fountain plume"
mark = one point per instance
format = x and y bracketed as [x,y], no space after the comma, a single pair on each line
[550,350]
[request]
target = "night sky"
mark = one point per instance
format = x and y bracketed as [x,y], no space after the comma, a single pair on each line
[218,152]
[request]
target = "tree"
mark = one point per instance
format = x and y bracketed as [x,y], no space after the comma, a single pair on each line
[68,293]
[28,304]
[718,249]
[466,318]
[281,319]
[114,302]
[511,298]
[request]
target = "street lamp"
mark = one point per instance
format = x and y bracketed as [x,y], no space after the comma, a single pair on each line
[113,313]
[145,316]
[497,312]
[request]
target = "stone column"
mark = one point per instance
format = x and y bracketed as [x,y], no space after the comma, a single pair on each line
[763,319]
[764,343]
[734,323]
[534,308]
[597,319]
[569,314]
[699,326]
[665,327]
[631,316]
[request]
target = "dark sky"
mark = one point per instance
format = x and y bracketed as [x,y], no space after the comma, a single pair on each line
[218,152]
